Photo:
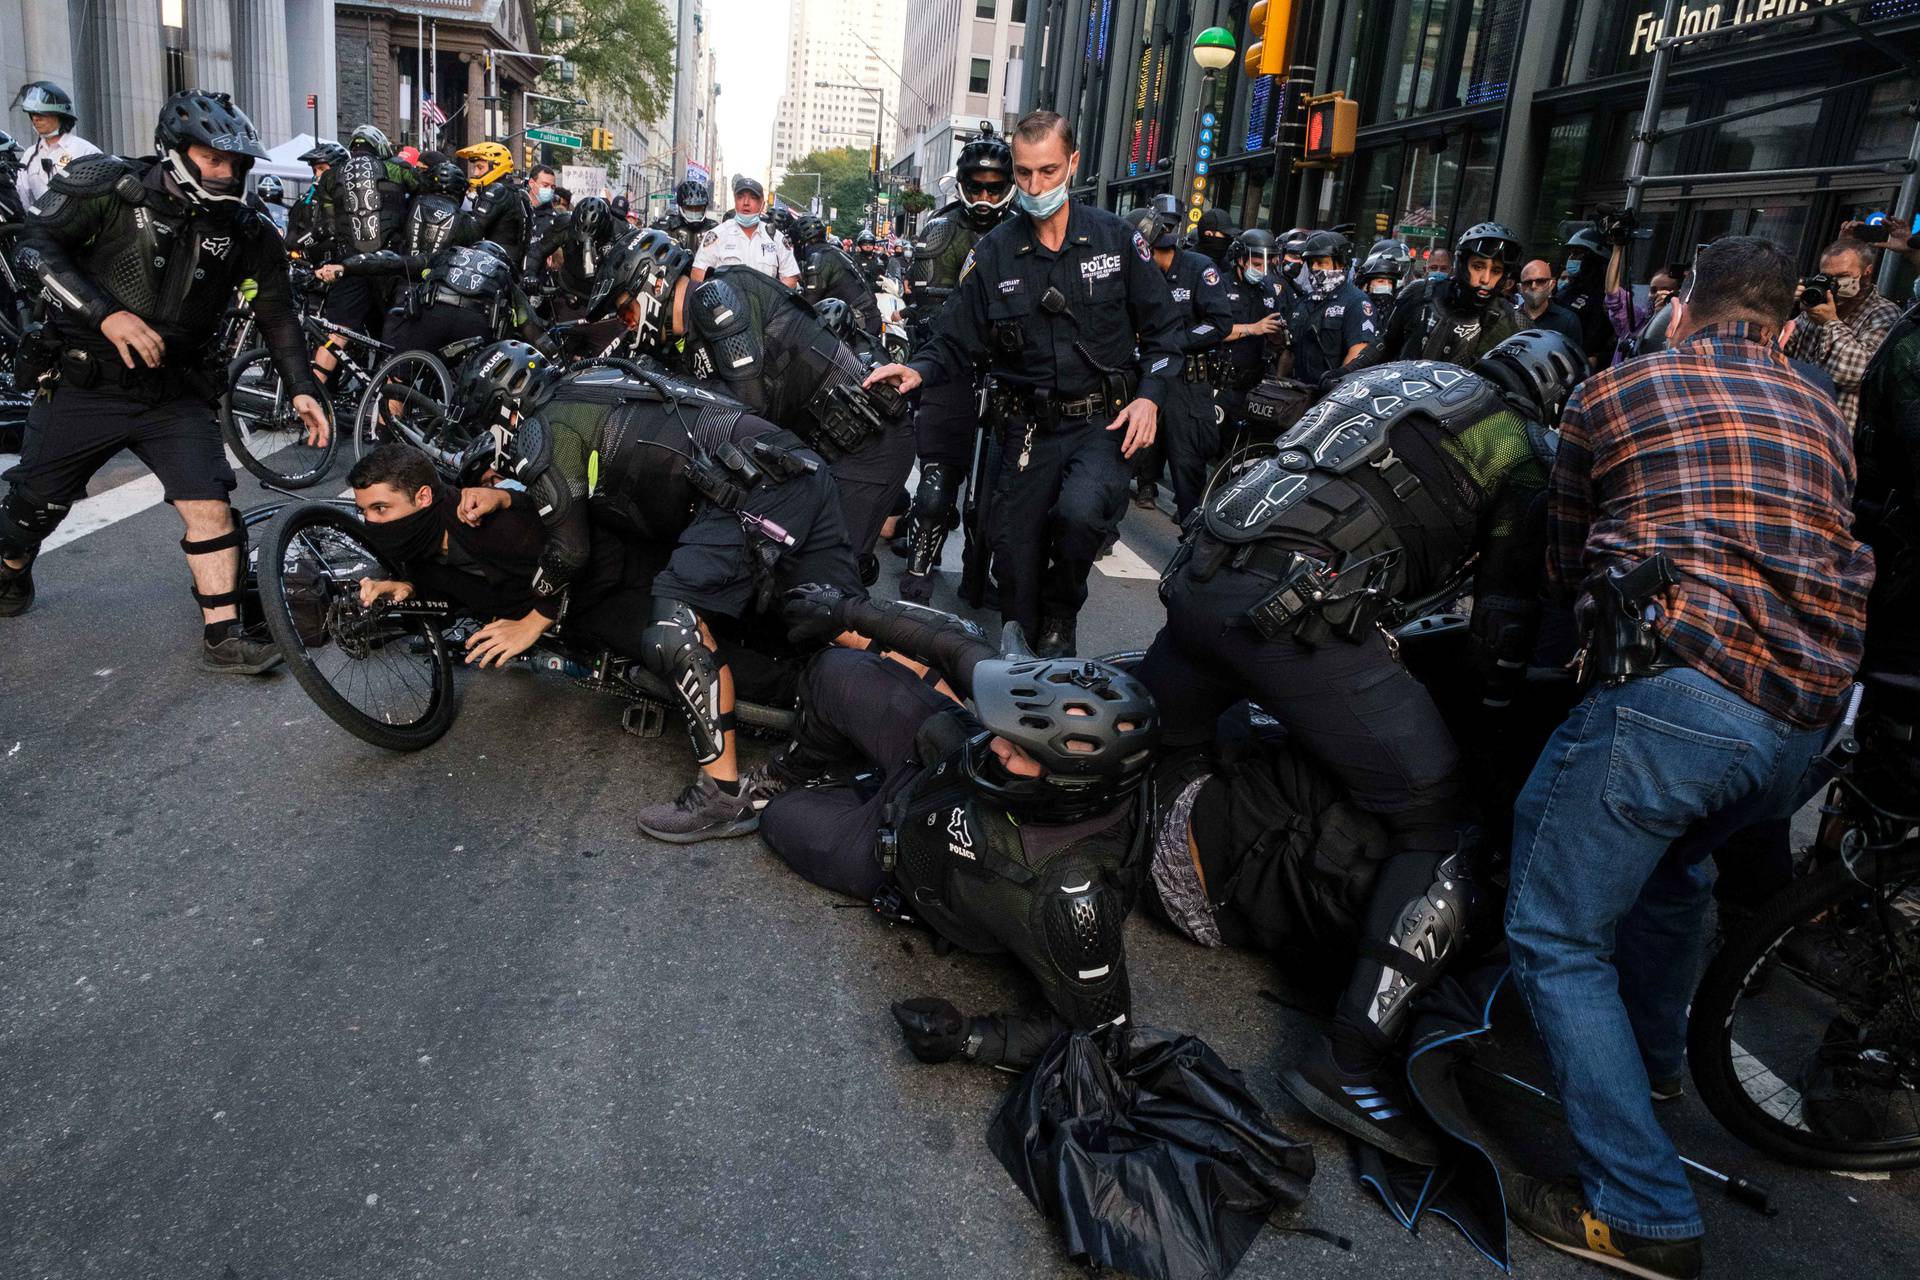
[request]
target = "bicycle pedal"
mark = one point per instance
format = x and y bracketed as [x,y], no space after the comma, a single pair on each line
[644,718]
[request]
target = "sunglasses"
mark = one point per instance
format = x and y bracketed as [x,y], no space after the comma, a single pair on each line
[1536,280]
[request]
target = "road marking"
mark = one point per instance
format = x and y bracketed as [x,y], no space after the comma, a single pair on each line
[1125,562]
[90,515]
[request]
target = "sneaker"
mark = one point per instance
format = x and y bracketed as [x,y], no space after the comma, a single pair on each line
[16,589]
[762,784]
[1369,1105]
[1057,639]
[1555,1213]
[1667,1088]
[239,653]
[701,812]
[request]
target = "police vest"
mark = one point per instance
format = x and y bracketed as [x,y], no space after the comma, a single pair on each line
[372,205]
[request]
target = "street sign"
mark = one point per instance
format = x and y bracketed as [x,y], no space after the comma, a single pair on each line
[554,137]
[1425,233]
[1208,119]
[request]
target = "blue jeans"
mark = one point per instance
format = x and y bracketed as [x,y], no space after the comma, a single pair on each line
[1605,917]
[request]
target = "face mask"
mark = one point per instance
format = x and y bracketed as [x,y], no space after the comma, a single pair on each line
[1572,269]
[543,195]
[1047,203]
[1254,276]
[1846,287]
[747,219]
[1322,283]
[412,537]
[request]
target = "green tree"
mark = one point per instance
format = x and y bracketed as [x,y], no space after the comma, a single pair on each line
[622,49]
[846,185]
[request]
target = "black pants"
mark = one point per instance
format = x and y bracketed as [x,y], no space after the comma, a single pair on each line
[358,303]
[944,422]
[73,433]
[869,480]
[862,709]
[1352,707]
[1190,437]
[1052,516]
[436,327]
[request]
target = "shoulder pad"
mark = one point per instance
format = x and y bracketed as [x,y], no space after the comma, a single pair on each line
[716,308]
[1351,425]
[939,234]
[95,176]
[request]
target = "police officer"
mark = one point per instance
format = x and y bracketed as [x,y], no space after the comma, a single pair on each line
[985,823]
[1082,338]
[365,200]
[1331,323]
[740,508]
[688,220]
[309,229]
[871,256]
[55,146]
[1379,278]
[1458,317]
[1259,333]
[742,240]
[12,207]
[138,259]
[1583,291]
[946,418]
[499,205]
[765,345]
[827,272]
[1382,492]
[1189,433]
[1293,264]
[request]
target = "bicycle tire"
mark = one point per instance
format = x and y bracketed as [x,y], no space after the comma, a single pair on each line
[421,732]
[253,452]
[1711,1037]
[371,401]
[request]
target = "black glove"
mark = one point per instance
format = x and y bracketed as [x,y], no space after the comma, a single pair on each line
[815,613]
[934,1029]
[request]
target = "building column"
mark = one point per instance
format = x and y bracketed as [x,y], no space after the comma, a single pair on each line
[260,55]
[210,49]
[36,43]
[312,65]
[1516,191]
[476,118]
[122,82]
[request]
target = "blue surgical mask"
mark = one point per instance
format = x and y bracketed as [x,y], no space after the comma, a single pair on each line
[747,219]
[543,195]
[1046,204]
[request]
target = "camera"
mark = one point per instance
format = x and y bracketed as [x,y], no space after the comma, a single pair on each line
[1816,291]
[1617,227]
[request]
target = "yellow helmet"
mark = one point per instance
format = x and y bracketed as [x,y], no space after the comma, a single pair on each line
[499,160]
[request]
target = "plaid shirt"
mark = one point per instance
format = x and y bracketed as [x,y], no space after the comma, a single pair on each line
[1845,347]
[1718,454]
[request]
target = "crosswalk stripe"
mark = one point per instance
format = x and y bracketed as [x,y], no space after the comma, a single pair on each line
[1125,562]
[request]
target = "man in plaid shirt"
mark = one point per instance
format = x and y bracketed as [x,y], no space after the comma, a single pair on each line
[1842,333]
[1717,454]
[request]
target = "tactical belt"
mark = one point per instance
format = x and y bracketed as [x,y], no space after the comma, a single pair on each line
[453,298]
[1015,405]
[86,371]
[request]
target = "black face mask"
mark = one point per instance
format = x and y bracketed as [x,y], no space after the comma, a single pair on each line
[412,537]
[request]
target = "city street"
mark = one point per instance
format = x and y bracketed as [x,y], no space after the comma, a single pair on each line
[277,1004]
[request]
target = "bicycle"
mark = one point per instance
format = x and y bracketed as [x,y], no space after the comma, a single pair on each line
[1804,1037]
[256,412]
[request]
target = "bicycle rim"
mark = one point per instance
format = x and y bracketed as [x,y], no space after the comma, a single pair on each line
[408,400]
[265,432]
[1806,1033]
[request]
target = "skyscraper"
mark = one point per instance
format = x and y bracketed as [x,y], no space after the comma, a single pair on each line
[838,58]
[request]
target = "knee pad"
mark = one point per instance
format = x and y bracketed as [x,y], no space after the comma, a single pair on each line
[25,522]
[235,537]
[1085,975]
[671,648]
[1429,931]
[934,516]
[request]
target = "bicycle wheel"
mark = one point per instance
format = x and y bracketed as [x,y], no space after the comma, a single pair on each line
[266,435]
[385,675]
[410,398]
[1804,1038]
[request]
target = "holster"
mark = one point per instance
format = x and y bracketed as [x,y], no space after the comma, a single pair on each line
[1621,641]
[844,419]
[36,358]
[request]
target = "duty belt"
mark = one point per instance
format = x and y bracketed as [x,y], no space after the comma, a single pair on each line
[454,298]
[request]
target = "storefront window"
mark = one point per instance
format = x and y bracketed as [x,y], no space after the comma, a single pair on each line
[1887,130]
[1427,191]
[1773,140]
[1560,177]
[1475,202]
[1374,192]
[1666,152]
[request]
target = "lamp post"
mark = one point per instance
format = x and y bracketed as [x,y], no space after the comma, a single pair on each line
[1213,49]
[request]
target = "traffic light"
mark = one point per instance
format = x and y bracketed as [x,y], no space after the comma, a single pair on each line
[1380,224]
[531,155]
[1267,46]
[1332,120]
[599,139]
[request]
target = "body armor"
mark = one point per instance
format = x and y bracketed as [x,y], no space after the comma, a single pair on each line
[685,234]
[370,204]
[962,865]
[1363,474]
[830,273]
[501,214]
[939,252]
[1444,330]
[436,223]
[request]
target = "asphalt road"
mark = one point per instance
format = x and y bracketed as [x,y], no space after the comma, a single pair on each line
[274,1003]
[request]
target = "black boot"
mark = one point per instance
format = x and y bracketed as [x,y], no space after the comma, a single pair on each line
[1057,638]
[16,589]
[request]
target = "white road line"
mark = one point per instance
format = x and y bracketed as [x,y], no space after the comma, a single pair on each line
[1125,562]
[90,515]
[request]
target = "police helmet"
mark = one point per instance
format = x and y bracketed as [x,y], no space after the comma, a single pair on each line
[1089,725]
[1254,251]
[693,194]
[1486,240]
[984,173]
[1153,228]
[866,239]
[9,151]
[368,140]
[1588,240]
[1326,244]
[808,231]
[638,282]
[327,153]
[501,380]
[211,120]
[45,98]
[447,178]
[1294,243]
[1539,367]
[270,189]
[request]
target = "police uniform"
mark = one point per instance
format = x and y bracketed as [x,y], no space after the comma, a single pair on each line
[684,233]
[1189,431]
[1322,331]
[366,201]
[464,296]
[1589,308]
[1070,336]
[1248,359]
[502,214]
[731,245]
[827,272]
[46,160]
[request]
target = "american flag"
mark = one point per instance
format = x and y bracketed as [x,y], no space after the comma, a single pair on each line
[430,111]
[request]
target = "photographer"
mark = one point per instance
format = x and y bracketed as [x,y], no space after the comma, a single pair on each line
[1842,321]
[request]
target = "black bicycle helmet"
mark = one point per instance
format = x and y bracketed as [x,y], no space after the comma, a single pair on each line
[45,98]
[1387,258]
[327,153]
[836,315]
[270,189]
[1090,726]
[592,222]
[808,231]
[499,381]
[641,275]
[10,152]
[1537,366]
[372,141]
[211,120]
[984,176]
[496,249]
[448,178]
[1486,240]
[692,194]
